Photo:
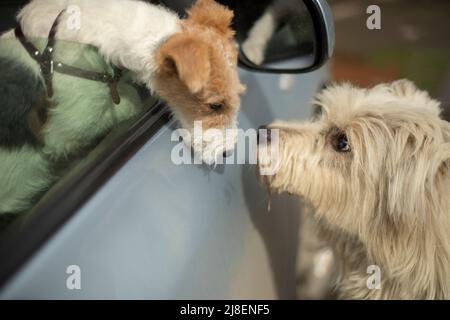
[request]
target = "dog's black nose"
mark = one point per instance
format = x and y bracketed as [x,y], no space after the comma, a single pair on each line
[263,134]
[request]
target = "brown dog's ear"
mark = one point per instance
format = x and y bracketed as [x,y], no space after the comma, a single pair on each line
[212,14]
[188,59]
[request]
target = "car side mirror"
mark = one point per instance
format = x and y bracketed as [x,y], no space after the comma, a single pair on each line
[283,36]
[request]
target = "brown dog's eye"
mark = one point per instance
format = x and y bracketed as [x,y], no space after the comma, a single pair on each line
[215,106]
[340,143]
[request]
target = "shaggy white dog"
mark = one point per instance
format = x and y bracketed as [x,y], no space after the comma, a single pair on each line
[376,168]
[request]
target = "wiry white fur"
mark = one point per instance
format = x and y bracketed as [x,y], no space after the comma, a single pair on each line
[126,32]
[386,201]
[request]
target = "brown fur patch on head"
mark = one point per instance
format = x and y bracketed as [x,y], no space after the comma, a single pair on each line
[187,58]
[212,14]
[197,67]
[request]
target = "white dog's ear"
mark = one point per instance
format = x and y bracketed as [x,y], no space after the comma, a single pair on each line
[417,179]
[187,58]
[416,160]
[212,14]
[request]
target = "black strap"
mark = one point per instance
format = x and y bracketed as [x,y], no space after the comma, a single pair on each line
[111,81]
[48,65]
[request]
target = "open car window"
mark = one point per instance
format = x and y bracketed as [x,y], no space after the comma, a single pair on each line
[78,132]
[35,176]
[40,191]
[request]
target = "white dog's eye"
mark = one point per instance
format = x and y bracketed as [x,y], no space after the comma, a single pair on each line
[341,143]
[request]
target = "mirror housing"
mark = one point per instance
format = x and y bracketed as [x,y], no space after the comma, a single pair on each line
[300,57]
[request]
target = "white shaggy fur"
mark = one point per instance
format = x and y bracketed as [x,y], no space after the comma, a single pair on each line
[384,202]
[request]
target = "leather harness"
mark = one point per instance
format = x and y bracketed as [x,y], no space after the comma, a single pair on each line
[48,65]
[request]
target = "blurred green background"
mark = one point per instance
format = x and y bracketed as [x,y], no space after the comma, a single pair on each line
[413,43]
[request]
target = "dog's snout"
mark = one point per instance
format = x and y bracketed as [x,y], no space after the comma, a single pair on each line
[264,134]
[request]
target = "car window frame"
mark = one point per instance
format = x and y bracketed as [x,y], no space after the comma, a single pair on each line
[27,233]
[23,237]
